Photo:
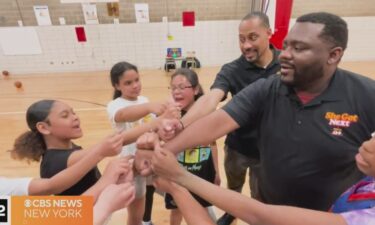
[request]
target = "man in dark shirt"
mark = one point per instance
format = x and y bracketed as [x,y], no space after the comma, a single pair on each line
[258,60]
[311,119]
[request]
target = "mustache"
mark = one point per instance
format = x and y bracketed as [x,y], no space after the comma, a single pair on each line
[285,63]
[250,50]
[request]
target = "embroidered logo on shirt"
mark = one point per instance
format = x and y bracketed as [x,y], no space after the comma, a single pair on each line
[340,121]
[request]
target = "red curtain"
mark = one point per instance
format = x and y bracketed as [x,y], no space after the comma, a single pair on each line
[282,17]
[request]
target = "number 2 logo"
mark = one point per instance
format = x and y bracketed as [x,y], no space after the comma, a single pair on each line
[2,210]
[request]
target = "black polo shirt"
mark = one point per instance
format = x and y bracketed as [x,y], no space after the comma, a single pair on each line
[232,78]
[307,151]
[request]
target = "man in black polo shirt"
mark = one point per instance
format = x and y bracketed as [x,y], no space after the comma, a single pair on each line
[311,119]
[258,60]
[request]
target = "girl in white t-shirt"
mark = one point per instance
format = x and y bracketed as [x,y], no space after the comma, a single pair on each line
[127,110]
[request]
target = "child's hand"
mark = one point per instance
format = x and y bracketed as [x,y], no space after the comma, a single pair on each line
[143,155]
[111,145]
[142,162]
[169,128]
[112,198]
[157,108]
[120,167]
[147,141]
[173,111]
[164,164]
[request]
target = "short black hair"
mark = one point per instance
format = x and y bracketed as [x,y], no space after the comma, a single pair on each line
[335,28]
[260,15]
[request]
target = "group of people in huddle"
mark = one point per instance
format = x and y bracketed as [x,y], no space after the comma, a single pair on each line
[301,124]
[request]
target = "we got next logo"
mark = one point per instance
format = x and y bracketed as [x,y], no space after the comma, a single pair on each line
[339,121]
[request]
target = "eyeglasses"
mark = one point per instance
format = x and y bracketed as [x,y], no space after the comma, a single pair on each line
[180,87]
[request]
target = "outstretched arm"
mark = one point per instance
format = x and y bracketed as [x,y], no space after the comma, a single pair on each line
[109,146]
[203,131]
[191,210]
[136,112]
[129,136]
[113,197]
[215,159]
[203,106]
[254,212]
[71,175]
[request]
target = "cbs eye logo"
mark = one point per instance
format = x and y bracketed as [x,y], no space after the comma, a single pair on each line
[3,211]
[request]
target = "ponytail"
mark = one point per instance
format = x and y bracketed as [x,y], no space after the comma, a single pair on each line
[116,94]
[29,146]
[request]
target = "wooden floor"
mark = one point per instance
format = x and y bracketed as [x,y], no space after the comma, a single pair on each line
[88,93]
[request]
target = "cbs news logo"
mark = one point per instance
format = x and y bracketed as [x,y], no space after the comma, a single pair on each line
[46,210]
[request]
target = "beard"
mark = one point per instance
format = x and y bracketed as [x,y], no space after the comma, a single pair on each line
[254,57]
[307,76]
[304,77]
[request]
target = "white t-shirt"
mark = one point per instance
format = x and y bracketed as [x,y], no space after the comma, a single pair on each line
[120,103]
[14,186]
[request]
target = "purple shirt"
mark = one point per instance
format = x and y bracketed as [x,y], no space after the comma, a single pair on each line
[362,217]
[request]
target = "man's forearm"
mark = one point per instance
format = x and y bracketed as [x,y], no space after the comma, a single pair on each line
[202,132]
[203,106]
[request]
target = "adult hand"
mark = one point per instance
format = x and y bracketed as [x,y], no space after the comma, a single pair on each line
[366,157]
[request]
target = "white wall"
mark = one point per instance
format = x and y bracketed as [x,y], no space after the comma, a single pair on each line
[215,43]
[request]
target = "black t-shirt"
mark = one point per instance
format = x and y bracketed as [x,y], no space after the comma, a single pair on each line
[232,78]
[307,151]
[199,162]
[55,160]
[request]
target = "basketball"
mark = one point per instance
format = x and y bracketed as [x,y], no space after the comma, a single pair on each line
[5,72]
[18,84]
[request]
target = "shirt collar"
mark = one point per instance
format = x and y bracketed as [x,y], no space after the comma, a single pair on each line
[334,92]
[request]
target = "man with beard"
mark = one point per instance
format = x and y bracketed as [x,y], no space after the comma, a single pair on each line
[258,60]
[311,119]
